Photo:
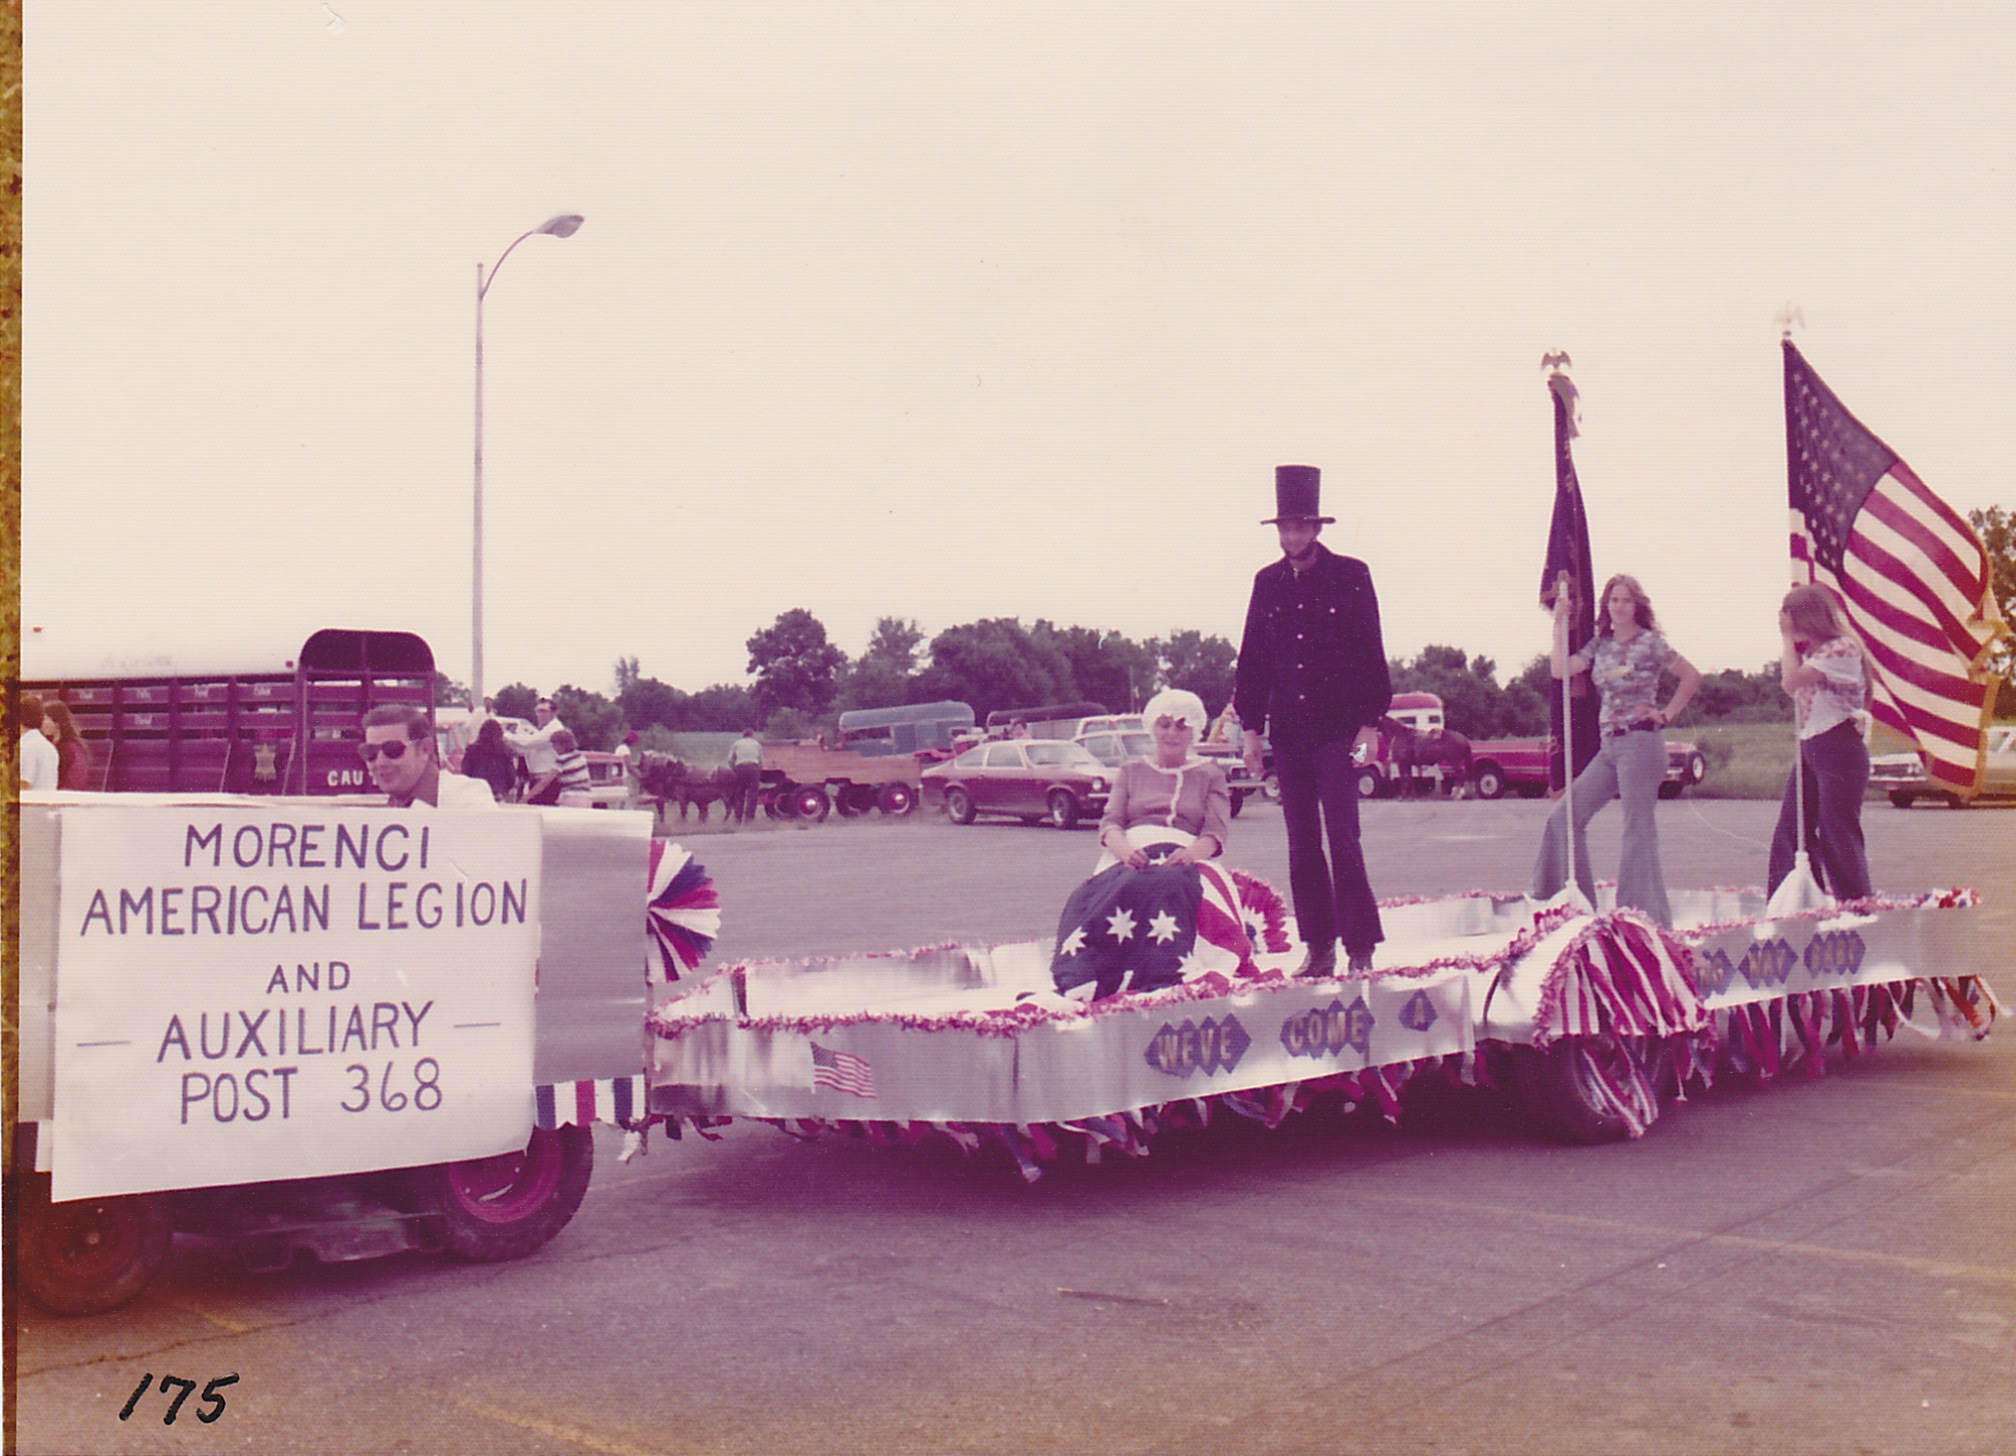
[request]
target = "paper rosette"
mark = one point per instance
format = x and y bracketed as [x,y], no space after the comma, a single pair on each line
[683,913]
[1264,913]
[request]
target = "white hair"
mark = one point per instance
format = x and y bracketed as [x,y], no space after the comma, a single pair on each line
[1176,703]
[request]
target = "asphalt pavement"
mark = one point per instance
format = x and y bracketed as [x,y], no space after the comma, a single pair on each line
[1821,1266]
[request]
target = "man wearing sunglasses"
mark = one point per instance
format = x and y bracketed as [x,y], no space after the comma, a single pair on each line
[398,748]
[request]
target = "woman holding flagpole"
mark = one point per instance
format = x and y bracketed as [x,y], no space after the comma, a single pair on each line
[1624,661]
[1823,669]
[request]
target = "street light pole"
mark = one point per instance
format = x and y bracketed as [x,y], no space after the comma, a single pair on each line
[563,226]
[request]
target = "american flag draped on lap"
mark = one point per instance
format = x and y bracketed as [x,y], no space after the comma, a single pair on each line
[1139,930]
[1909,569]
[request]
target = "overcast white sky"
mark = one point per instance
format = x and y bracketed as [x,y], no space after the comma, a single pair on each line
[949,311]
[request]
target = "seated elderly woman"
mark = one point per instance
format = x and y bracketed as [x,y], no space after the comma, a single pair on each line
[1157,910]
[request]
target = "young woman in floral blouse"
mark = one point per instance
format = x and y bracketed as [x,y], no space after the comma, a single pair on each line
[1822,667]
[1624,662]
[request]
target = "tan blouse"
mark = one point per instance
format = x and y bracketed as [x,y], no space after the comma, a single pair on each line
[1194,798]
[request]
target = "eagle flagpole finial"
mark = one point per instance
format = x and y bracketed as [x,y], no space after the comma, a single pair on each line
[1788,318]
[1557,364]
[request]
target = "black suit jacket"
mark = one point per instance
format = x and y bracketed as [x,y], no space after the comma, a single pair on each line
[1312,665]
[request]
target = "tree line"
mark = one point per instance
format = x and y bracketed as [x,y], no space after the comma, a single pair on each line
[801,682]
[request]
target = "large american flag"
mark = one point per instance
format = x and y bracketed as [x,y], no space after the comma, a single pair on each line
[1909,569]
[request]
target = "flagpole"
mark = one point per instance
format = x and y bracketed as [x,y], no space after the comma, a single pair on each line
[1799,890]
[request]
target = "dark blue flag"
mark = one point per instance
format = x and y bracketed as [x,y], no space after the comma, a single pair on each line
[1568,551]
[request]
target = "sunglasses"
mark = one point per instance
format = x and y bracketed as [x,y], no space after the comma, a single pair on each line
[395,750]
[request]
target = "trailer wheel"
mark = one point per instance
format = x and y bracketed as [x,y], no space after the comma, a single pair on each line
[1271,787]
[90,1255]
[1063,809]
[898,799]
[510,1205]
[1369,783]
[958,805]
[1489,781]
[809,802]
[1562,1086]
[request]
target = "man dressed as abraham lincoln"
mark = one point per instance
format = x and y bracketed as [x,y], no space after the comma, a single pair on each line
[1312,677]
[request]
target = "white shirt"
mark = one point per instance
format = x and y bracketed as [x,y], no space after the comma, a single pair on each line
[536,747]
[457,791]
[40,763]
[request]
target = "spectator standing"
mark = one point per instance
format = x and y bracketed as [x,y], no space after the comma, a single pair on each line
[746,759]
[75,769]
[490,759]
[541,761]
[37,762]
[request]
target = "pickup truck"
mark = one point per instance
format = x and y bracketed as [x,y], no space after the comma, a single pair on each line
[1902,775]
[1520,765]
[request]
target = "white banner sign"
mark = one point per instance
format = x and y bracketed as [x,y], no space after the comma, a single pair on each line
[253,994]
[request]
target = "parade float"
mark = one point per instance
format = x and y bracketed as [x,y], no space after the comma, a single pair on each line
[1596,1022]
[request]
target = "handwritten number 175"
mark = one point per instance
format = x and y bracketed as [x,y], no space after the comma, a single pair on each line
[210,1397]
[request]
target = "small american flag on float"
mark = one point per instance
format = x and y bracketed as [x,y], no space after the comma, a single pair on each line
[842,1072]
[1910,571]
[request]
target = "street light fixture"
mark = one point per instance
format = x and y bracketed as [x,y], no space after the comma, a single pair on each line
[563,226]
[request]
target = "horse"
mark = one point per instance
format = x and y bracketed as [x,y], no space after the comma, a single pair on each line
[669,780]
[1410,749]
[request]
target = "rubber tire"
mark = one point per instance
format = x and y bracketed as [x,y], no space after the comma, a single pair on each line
[896,800]
[809,801]
[1063,809]
[1238,802]
[90,1255]
[1902,799]
[1369,783]
[1489,782]
[1271,787]
[1954,801]
[843,801]
[1553,1085]
[1670,791]
[508,1206]
[958,805]
[1697,770]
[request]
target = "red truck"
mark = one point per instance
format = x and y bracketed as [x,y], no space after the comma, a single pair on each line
[1520,765]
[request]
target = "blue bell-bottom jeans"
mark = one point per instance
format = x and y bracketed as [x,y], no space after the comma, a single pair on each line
[1837,774]
[1628,766]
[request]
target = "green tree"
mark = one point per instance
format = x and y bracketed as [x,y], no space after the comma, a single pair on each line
[1196,662]
[722,708]
[1998,533]
[1106,667]
[514,701]
[794,664]
[995,664]
[1467,686]
[881,676]
[596,723]
[449,693]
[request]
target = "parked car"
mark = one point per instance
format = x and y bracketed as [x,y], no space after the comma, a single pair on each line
[1031,779]
[1111,723]
[608,780]
[1902,775]
[1114,748]
[1520,766]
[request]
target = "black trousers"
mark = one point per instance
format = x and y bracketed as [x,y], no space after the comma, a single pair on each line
[1319,802]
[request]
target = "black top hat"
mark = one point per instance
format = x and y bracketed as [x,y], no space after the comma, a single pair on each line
[1297,493]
